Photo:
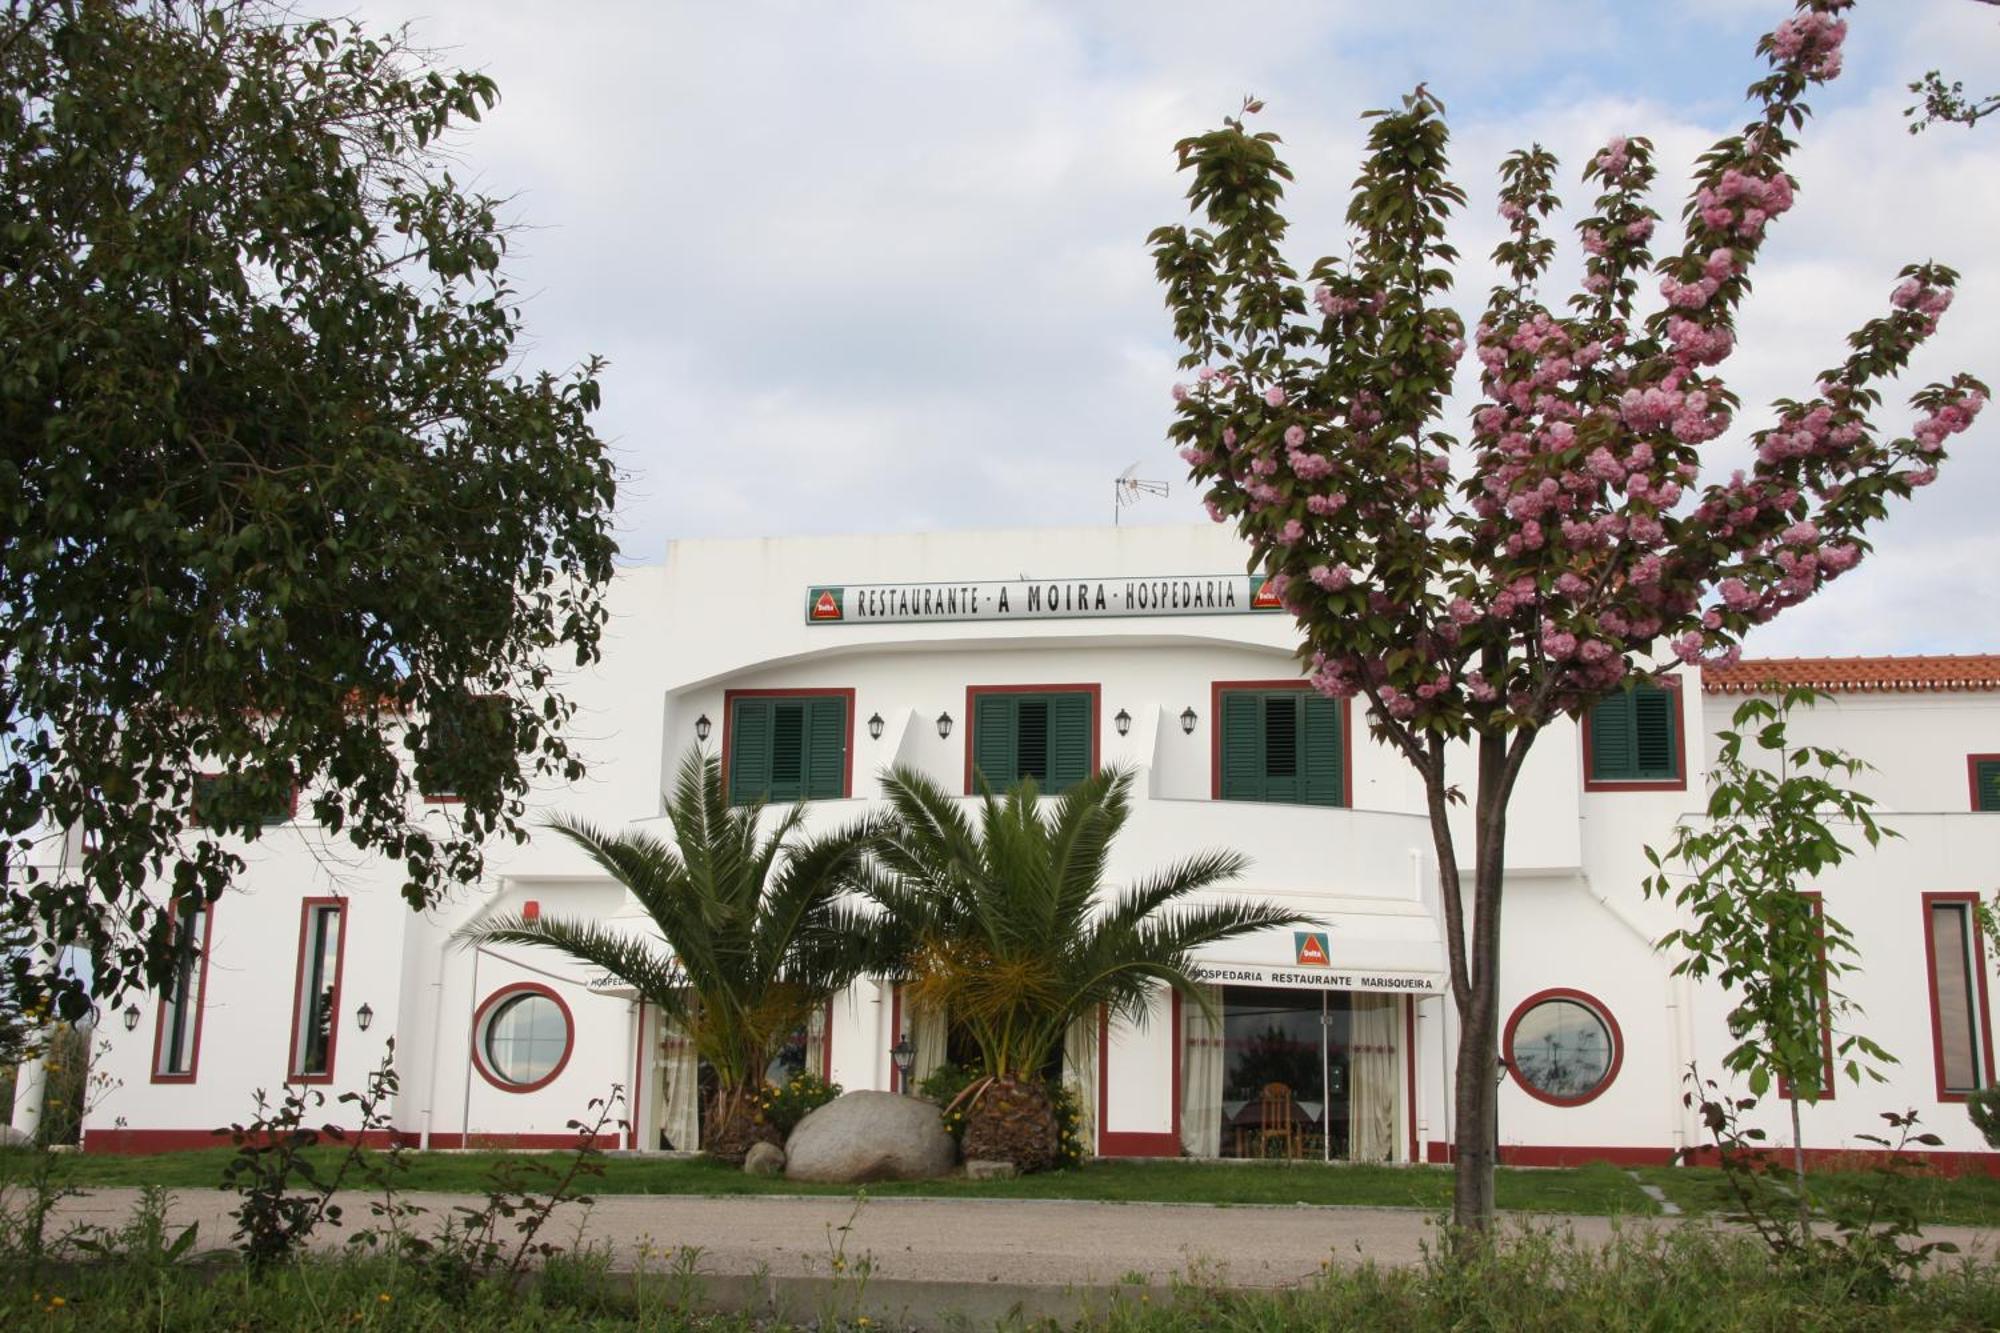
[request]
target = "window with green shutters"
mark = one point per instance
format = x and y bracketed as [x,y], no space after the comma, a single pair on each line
[1042,735]
[1281,745]
[785,749]
[1985,781]
[1633,737]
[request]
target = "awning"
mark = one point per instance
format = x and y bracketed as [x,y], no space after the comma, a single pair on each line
[1374,946]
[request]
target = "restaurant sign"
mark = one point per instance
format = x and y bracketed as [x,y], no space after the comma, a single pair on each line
[1040,599]
[1317,977]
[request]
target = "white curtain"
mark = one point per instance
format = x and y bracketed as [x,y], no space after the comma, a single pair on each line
[678,1078]
[816,1047]
[1080,1074]
[929,1033]
[1374,1086]
[1201,1076]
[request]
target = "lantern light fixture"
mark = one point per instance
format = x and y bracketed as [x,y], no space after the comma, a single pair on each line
[944,726]
[875,727]
[904,1054]
[131,1017]
[1187,721]
[1123,721]
[363,1017]
[702,726]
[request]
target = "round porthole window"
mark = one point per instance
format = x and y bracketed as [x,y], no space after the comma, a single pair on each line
[1563,1047]
[522,1037]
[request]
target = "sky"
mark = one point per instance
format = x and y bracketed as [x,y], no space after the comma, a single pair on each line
[872,267]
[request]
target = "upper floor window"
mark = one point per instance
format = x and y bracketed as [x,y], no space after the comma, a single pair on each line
[1048,734]
[788,747]
[1634,737]
[1279,745]
[1983,770]
[270,798]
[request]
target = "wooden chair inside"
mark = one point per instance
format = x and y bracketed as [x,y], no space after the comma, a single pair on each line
[1275,1123]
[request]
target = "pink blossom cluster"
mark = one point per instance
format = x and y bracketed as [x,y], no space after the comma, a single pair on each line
[1743,203]
[1811,42]
[1948,419]
[1615,158]
[1332,304]
[1928,301]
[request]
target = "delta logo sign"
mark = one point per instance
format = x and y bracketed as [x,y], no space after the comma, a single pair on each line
[1264,594]
[1309,948]
[823,604]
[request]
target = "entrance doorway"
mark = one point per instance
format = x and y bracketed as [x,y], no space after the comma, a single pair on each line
[1295,1074]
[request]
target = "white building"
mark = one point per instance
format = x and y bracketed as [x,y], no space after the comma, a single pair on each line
[1047,651]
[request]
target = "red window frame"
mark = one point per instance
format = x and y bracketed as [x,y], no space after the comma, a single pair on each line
[729,698]
[1094,689]
[1972,763]
[307,907]
[1588,1001]
[1217,688]
[1980,1004]
[1671,684]
[492,1002]
[200,1009]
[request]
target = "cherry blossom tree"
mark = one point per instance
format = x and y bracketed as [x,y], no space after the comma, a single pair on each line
[1474,592]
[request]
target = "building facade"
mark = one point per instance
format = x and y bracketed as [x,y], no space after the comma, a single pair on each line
[812,664]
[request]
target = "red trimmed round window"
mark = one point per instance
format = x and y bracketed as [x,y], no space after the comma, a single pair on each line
[1563,1047]
[522,1037]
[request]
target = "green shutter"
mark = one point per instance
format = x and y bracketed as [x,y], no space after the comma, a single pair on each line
[1242,746]
[1653,732]
[1323,754]
[826,748]
[750,751]
[1986,784]
[1613,755]
[994,745]
[1069,741]
[1282,779]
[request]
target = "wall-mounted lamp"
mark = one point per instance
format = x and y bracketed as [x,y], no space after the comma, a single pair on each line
[702,726]
[944,726]
[363,1017]
[1187,721]
[131,1017]
[1122,721]
[904,1054]
[875,727]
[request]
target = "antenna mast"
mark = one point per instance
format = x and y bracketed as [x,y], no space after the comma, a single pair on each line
[1128,487]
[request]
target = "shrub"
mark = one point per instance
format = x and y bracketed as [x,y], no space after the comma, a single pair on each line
[782,1105]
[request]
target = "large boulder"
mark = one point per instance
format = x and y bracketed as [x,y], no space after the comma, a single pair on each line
[864,1136]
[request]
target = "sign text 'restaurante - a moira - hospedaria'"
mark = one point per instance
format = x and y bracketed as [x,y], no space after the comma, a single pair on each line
[1039,599]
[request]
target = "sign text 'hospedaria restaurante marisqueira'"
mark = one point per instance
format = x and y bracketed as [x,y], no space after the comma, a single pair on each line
[1040,599]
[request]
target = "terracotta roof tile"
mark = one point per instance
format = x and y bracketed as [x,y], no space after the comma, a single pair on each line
[1857,675]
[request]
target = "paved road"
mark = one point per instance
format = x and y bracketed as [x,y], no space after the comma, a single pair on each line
[1032,1242]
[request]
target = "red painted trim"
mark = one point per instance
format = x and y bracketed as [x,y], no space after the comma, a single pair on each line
[1597,1007]
[1826,1082]
[306,906]
[729,698]
[508,992]
[1135,1143]
[895,1035]
[638,1078]
[1972,763]
[1216,689]
[1410,1066]
[1670,683]
[200,1009]
[826,1044]
[1980,1010]
[1093,689]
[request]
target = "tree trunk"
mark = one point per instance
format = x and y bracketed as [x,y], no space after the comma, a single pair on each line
[1475,1149]
[1799,1170]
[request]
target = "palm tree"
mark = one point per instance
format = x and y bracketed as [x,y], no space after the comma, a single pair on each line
[1010,929]
[757,933]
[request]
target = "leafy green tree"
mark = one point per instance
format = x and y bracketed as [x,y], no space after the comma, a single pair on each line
[1946,103]
[1008,926]
[1777,811]
[757,935]
[276,502]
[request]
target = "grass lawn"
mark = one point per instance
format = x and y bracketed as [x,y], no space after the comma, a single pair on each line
[1972,1201]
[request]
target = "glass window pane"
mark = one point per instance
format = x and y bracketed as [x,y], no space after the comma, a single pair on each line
[318,971]
[1951,974]
[525,1039]
[1563,1049]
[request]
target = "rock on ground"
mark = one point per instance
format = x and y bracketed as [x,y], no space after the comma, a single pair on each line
[764,1159]
[864,1136]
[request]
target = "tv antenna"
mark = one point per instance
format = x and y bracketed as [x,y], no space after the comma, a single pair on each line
[1127,489]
